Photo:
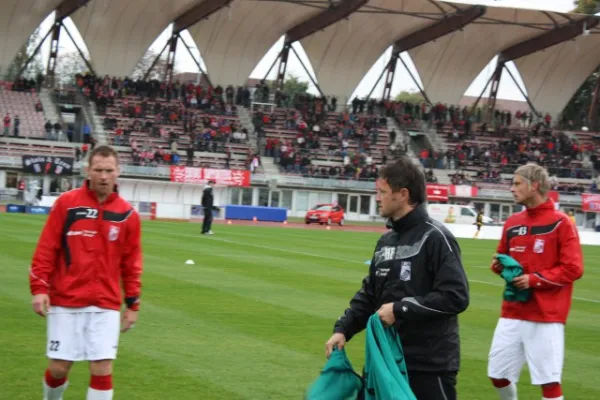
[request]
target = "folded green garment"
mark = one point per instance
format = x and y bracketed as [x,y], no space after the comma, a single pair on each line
[511,269]
[337,380]
[386,377]
[385,372]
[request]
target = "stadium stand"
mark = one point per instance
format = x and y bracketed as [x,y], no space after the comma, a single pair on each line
[324,144]
[21,110]
[152,123]
[482,154]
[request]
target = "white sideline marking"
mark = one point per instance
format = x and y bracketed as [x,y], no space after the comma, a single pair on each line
[332,258]
[260,246]
[499,284]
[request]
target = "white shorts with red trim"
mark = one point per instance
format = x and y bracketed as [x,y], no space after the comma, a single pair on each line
[539,344]
[83,334]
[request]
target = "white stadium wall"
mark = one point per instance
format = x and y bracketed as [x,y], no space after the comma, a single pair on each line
[174,201]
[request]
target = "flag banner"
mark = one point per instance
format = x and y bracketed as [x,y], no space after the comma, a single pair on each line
[590,202]
[226,177]
[48,165]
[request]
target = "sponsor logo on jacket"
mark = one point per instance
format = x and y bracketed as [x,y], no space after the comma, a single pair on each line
[538,246]
[113,233]
[82,233]
[405,271]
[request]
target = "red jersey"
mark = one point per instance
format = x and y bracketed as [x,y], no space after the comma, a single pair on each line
[86,249]
[546,244]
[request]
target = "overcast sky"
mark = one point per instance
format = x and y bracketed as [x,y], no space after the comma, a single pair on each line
[402,82]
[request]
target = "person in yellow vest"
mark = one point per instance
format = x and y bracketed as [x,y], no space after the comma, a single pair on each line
[450,218]
[572,217]
[479,223]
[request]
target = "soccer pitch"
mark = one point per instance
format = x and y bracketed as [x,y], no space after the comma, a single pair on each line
[249,320]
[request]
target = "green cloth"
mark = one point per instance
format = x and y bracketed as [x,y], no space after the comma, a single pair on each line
[386,377]
[385,370]
[337,380]
[510,270]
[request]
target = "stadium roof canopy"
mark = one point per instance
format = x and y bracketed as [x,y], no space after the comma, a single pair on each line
[342,38]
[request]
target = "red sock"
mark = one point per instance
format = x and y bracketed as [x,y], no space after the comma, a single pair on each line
[551,390]
[500,383]
[52,381]
[101,382]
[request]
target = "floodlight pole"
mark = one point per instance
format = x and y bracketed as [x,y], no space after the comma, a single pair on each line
[593,112]
[35,52]
[482,93]
[416,83]
[272,65]
[155,61]
[307,72]
[196,61]
[171,58]
[85,60]
[495,79]
[283,57]
[523,92]
[56,28]
[390,72]
[383,71]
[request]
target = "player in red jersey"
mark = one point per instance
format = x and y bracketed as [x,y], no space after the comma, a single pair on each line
[546,244]
[89,245]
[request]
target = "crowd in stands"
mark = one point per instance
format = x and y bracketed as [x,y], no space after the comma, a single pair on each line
[490,151]
[314,129]
[461,119]
[21,97]
[155,120]
[16,99]
[178,115]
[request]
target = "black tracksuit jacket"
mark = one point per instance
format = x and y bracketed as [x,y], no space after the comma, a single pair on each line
[417,266]
[207,197]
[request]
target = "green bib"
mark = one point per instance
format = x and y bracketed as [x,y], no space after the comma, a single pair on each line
[385,375]
[511,269]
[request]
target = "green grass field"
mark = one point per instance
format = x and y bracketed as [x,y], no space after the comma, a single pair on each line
[250,319]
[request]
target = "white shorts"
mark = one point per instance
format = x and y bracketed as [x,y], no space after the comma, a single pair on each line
[83,334]
[515,341]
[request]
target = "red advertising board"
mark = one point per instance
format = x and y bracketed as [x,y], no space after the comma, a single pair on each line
[226,177]
[437,192]
[590,202]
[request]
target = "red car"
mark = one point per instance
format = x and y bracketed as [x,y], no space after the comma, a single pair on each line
[325,214]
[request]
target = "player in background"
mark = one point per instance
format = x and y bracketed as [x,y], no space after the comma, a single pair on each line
[208,206]
[572,217]
[88,247]
[546,244]
[479,223]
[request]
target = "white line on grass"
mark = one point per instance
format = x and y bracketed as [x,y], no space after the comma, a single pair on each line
[501,285]
[340,259]
[260,246]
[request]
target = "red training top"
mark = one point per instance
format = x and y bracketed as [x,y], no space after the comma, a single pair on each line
[86,249]
[546,243]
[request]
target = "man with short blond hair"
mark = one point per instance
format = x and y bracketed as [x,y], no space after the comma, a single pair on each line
[545,242]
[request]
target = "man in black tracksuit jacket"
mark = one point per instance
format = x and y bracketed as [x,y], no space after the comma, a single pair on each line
[208,206]
[416,282]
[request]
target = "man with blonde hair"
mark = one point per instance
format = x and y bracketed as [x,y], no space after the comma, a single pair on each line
[545,243]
